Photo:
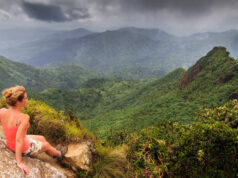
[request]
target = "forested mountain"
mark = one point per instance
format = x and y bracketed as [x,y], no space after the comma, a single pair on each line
[110,50]
[69,34]
[133,50]
[33,42]
[105,105]
[68,76]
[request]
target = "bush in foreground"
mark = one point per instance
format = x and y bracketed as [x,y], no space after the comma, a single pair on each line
[206,148]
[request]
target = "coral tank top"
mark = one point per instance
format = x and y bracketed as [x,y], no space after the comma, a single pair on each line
[10,136]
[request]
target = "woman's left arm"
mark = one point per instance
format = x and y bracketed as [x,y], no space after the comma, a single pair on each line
[1,111]
[22,128]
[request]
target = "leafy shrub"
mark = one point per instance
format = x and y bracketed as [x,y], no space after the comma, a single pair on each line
[3,104]
[52,129]
[150,149]
[227,113]
[118,138]
[207,150]
[55,125]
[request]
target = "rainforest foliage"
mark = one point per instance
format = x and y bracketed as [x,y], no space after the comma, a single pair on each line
[110,104]
[206,148]
[68,76]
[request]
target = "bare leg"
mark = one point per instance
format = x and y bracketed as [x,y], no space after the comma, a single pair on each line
[46,147]
[50,150]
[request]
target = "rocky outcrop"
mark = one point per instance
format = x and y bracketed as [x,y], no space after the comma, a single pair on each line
[79,156]
[8,167]
[190,76]
[40,166]
[213,64]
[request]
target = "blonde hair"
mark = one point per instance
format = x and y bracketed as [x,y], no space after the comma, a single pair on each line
[14,94]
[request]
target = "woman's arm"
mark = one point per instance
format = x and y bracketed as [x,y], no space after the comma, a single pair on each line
[0,115]
[22,128]
[1,111]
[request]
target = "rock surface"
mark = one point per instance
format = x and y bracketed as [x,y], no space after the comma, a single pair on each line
[79,156]
[41,167]
[37,168]
[190,76]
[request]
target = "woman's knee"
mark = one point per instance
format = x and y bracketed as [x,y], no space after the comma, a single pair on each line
[45,146]
[43,139]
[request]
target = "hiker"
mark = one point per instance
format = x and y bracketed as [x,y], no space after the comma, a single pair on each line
[15,125]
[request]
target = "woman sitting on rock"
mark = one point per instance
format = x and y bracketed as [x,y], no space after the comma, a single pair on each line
[15,125]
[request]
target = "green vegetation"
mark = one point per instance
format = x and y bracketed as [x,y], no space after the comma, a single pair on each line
[108,105]
[206,148]
[138,72]
[68,76]
[181,125]
[111,98]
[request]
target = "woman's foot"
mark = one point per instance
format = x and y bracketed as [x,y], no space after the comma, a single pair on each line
[63,150]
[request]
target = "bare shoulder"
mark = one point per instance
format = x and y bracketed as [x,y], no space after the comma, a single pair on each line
[2,111]
[25,118]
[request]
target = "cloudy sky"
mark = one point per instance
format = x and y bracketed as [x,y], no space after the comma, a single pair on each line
[179,17]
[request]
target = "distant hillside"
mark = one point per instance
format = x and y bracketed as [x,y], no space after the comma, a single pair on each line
[37,79]
[110,50]
[24,48]
[14,37]
[123,49]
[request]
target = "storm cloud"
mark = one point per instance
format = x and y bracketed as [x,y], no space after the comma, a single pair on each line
[176,16]
[191,7]
[44,12]
[53,12]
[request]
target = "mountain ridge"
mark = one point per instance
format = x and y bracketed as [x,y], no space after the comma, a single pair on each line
[128,47]
[163,99]
[38,79]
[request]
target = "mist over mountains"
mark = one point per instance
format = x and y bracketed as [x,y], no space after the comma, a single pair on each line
[126,49]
